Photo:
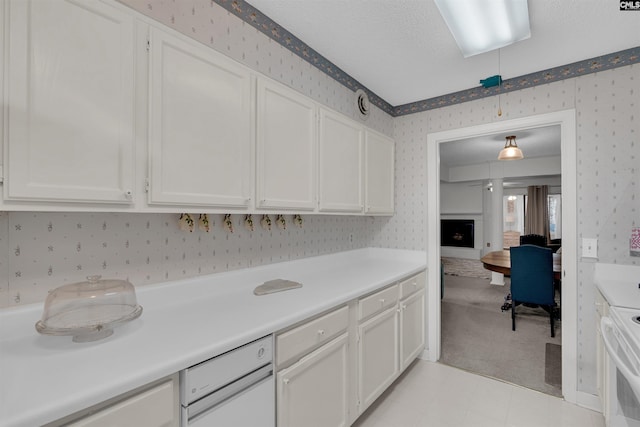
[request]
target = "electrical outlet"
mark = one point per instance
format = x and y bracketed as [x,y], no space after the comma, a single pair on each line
[589,248]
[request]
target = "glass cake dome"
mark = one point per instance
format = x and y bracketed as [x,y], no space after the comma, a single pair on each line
[89,310]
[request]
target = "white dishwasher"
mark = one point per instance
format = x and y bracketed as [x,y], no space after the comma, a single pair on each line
[235,389]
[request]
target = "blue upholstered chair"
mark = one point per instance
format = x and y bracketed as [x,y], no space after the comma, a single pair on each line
[532,280]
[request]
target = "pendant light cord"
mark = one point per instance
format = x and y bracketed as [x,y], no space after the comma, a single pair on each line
[499,85]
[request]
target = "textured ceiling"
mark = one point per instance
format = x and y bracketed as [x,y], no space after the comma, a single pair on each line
[538,142]
[402,50]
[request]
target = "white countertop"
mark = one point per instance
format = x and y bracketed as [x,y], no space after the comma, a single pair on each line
[44,378]
[619,284]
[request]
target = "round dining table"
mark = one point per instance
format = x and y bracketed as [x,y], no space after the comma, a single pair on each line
[500,262]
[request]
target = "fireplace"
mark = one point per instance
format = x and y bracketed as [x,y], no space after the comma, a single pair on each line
[457,233]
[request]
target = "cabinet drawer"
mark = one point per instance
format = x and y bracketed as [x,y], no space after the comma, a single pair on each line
[412,285]
[156,407]
[302,339]
[377,302]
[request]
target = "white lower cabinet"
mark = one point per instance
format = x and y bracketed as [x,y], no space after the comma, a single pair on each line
[155,405]
[391,334]
[378,363]
[314,391]
[412,325]
[331,368]
[312,361]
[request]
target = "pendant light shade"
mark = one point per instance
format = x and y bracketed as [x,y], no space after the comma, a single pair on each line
[510,150]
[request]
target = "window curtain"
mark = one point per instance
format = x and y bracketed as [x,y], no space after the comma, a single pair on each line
[537,217]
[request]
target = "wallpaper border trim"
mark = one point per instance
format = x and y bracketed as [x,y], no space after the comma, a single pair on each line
[279,34]
[580,68]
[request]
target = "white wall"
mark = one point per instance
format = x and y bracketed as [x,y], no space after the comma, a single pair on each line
[539,166]
[460,198]
[463,201]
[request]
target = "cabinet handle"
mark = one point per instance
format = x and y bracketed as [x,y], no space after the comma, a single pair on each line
[320,332]
[128,194]
[415,285]
[285,381]
[381,300]
[404,306]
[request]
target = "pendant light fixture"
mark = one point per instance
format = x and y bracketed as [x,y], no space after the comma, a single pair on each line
[510,150]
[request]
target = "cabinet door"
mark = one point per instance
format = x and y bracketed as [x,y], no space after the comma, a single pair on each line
[314,391]
[340,163]
[379,171]
[200,125]
[412,327]
[286,148]
[378,363]
[156,407]
[70,102]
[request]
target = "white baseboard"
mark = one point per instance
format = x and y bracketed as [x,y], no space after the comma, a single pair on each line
[589,401]
[425,355]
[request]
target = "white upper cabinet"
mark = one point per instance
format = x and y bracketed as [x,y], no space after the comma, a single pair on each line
[379,173]
[70,100]
[286,149]
[96,114]
[199,125]
[340,163]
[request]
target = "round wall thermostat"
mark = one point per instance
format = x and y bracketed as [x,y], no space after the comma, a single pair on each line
[362,104]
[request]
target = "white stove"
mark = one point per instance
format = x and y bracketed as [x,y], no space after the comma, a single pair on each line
[628,320]
[620,285]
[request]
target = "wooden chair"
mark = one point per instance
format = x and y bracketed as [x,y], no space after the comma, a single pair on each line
[533,239]
[510,238]
[532,280]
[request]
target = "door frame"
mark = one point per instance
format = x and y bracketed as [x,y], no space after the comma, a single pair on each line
[567,121]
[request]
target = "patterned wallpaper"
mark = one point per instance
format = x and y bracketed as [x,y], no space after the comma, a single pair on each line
[195,19]
[608,193]
[46,250]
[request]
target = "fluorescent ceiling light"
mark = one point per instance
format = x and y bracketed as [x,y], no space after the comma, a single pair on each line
[479,26]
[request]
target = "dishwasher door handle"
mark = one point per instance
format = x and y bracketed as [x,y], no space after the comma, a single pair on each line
[228,391]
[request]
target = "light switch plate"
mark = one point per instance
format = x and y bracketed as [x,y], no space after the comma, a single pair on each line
[589,248]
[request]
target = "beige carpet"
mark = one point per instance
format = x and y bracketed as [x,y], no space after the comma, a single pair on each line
[477,336]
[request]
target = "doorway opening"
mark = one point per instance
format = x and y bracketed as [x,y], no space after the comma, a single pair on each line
[478,191]
[566,121]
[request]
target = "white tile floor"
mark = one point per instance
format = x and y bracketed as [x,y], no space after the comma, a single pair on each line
[436,395]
